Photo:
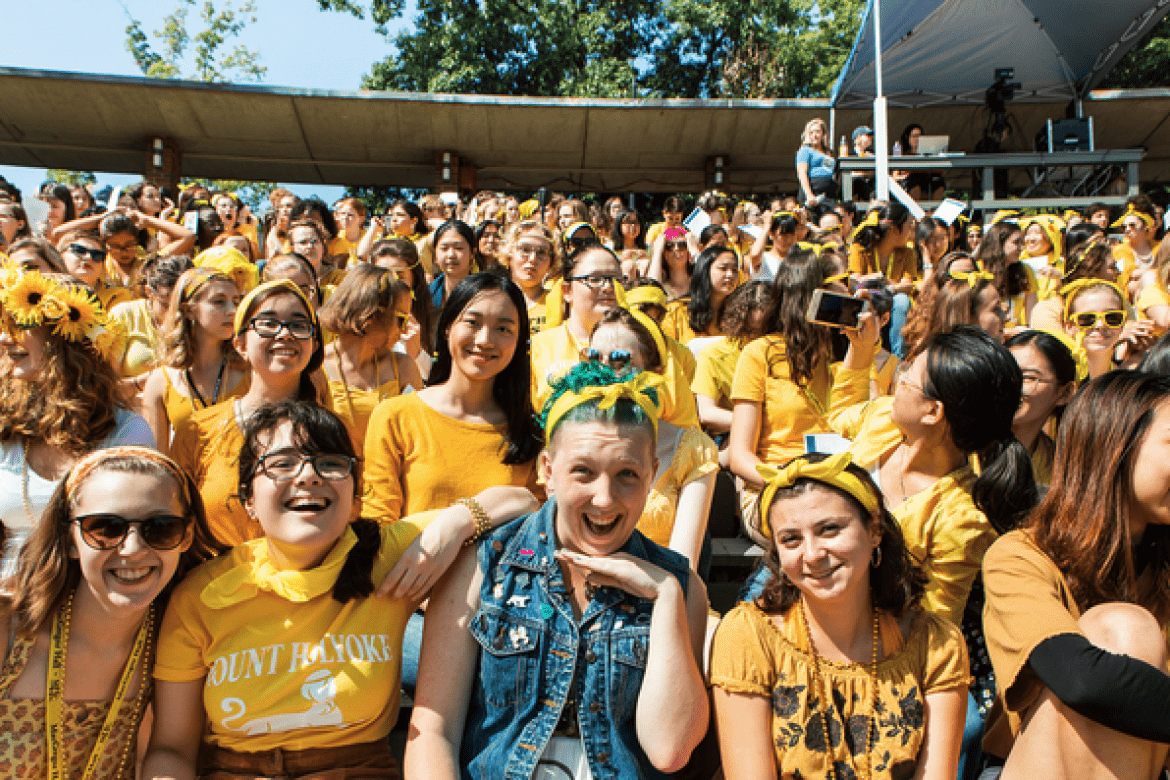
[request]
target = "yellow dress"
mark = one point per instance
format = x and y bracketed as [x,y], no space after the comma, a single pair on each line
[142,337]
[208,446]
[695,457]
[944,530]
[419,459]
[180,407]
[354,405]
[754,656]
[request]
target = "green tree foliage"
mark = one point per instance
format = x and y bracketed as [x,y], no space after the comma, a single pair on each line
[70,177]
[254,193]
[611,48]
[1147,64]
[210,59]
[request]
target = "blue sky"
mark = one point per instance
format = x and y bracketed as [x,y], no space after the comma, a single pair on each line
[301,46]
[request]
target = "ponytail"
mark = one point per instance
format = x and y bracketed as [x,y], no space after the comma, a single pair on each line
[353,581]
[1006,488]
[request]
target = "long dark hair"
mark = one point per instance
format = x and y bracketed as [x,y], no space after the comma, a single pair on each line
[700,313]
[1062,362]
[1083,524]
[615,233]
[1010,279]
[806,344]
[315,431]
[896,583]
[979,384]
[511,387]
[465,230]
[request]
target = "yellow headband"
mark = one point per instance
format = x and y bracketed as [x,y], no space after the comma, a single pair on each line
[810,247]
[647,295]
[1130,211]
[972,278]
[623,302]
[281,285]
[836,278]
[832,471]
[230,261]
[871,220]
[1009,215]
[633,389]
[201,278]
[94,460]
[1075,348]
[1070,291]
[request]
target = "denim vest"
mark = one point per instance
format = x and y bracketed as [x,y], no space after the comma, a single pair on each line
[531,644]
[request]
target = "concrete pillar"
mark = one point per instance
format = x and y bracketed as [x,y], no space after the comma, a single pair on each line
[163,163]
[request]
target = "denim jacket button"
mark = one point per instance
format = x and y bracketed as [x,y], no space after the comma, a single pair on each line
[594,707]
[603,757]
[590,656]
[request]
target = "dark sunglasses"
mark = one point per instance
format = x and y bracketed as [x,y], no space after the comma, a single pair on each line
[83,251]
[578,242]
[676,245]
[106,531]
[618,359]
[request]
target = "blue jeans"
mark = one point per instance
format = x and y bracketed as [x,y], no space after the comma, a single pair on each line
[411,649]
[972,755]
[898,316]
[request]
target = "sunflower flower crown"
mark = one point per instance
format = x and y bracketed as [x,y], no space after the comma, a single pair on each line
[30,299]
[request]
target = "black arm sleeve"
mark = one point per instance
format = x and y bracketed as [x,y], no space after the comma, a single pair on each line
[1117,691]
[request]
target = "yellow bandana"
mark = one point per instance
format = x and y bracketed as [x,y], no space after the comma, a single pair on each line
[871,220]
[1076,348]
[260,573]
[1070,291]
[1130,211]
[832,471]
[641,296]
[633,388]
[972,278]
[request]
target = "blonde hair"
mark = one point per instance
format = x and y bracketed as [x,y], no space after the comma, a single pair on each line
[825,148]
[367,294]
[533,227]
[178,330]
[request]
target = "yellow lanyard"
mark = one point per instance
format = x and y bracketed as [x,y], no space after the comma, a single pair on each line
[55,692]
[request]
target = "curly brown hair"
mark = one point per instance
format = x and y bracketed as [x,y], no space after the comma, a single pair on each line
[896,584]
[748,298]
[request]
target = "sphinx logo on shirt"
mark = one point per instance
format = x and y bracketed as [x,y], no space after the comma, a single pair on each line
[320,689]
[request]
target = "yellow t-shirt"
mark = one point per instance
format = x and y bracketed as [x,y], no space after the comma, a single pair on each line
[716,371]
[342,246]
[944,531]
[537,314]
[677,324]
[754,656]
[1152,295]
[142,337]
[791,411]
[419,459]
[882,376]
[284,674]
[695,457]
[207,446]
[111,295]
[1124,253]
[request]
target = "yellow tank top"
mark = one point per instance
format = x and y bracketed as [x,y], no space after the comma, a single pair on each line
[354,405]
[180,407]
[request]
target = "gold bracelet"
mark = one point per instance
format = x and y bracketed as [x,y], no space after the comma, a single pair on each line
[483,523]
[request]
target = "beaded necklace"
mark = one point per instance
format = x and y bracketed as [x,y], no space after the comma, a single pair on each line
[825,689]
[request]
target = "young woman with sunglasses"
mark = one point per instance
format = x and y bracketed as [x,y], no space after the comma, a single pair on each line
[368,312]
[85,257]
[1077,598]
[277,335]
[1137,254]
[400,256]
[321,691]
[1091,260]
[588,292]
[1094,315]
[82,622]
[199,366]
[678,506]
[671,262]
[60,398]
[125,236]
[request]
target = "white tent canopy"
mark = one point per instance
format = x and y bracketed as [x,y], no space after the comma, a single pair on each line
[946,52]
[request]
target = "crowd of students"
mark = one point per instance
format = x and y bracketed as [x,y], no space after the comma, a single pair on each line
[261,478]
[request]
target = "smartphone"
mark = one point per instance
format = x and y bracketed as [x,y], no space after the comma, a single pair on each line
[450,198]
[835,310]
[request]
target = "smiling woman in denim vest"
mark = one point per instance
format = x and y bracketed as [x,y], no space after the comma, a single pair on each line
[568,638]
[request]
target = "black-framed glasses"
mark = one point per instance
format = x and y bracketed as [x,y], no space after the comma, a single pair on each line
[1114,318]
[596,281]
[577,242]
[83,251]
[270,328]
[283,466]
[107,531]
[618,359]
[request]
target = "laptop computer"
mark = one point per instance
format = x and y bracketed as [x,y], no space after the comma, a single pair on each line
[933,144]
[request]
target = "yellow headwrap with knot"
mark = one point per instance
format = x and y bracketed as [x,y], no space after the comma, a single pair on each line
[1076,348]
[972,278]
[623,301]
[1130,211]
[529,207]
[230,262]
[832,471]
[1051,225]
[1069,292]
[633,389]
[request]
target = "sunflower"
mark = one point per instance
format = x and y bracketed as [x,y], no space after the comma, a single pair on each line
[82,313]
[26,297]
[109,339]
